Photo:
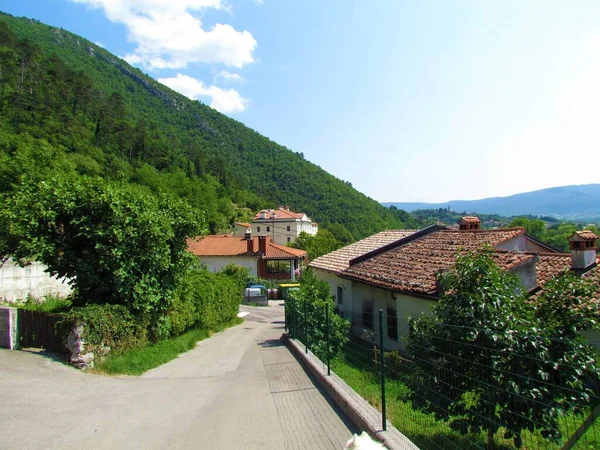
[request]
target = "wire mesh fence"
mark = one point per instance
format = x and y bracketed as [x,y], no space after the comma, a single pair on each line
[457,388]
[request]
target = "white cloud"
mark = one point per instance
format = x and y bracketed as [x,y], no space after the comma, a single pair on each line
[229,76]
[223,100]
[99,44]
[170,33]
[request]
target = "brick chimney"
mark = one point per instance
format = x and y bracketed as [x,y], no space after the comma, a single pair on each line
[262,245]
[249,241]
[584,250]
[469,223]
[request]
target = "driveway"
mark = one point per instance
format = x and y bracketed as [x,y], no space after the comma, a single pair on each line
[239,389]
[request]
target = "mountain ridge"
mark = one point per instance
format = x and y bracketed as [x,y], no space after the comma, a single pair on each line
[573,202]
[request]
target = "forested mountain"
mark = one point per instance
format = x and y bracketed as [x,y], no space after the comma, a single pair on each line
[565,202]
[67,104]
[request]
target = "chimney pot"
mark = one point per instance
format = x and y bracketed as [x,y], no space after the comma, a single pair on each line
[469,223]
[584,250]
[262,245]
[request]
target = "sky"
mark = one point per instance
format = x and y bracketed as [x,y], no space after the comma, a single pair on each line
[408,101]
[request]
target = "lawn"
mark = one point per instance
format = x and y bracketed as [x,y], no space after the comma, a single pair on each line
[428,433]
[140,360]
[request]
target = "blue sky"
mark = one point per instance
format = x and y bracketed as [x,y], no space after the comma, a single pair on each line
[409,101]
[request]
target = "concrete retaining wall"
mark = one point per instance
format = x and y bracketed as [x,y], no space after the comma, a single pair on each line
[18,282]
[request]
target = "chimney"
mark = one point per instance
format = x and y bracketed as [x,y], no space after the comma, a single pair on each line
[262,245]
[583,250]
[469,223]
[249,241]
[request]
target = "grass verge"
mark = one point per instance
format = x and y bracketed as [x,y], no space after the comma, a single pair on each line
[429,433]
[140,360]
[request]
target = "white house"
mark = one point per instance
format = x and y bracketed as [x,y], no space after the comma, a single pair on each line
[282,225]
[400,277]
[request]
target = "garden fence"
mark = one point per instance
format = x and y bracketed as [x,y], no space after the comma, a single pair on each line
[448,393]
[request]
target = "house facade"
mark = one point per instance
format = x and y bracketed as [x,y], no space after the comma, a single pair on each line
[282,225]
[259,254]
[400,278]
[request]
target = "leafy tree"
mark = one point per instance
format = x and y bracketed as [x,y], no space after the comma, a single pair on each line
[117,244]
[534,227]
[320,244]
[306,316]
[488,360]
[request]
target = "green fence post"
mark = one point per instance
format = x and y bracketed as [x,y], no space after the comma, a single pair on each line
[327,337]
[305,326]
[285,317]
[382,371]
[294,335]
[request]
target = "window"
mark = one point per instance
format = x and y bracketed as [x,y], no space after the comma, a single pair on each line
[392,324]
[340,295]
[289,239]
[268,228]
[367,314]
[258,229]
[278,266]
[288,228]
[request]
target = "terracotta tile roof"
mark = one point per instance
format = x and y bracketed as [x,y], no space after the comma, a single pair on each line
[413,266]
[593,276]
[586,234]
[551,265]
[340,259]
[227,245]
[469,219]
[243,224]
[278,214]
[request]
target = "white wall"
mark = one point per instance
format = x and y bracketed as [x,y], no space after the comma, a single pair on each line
[16,282]
[406,306]
[278,229]
[335,282]
[216,263]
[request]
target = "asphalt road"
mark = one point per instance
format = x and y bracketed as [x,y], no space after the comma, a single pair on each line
[239,389]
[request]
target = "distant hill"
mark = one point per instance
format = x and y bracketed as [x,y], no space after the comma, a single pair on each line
[69,102]
[566,202]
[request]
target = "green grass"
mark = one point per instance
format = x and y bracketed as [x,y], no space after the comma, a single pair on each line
[48,303]
[140,360]
[428,433]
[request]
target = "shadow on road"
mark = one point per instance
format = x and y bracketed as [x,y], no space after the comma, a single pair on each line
[270,343]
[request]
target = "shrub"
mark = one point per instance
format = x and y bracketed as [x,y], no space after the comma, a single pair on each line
[111,326]
[204,300]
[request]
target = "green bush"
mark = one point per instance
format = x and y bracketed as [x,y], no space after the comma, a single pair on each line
[204,300]
[108,326]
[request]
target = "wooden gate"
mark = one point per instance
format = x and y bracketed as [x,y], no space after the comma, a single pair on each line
[38,329]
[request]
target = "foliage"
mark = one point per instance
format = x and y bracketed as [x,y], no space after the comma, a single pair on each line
[306,314]
[320,244]
[139,360]
[115,243]
[107,327]
[108,119]
[494,360]
[240,274]
[48,303]
[204,300]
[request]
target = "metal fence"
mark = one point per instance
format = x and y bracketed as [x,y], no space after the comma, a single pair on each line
[449,393]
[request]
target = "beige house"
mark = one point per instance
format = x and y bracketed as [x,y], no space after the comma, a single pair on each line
[282,225]
[400,277]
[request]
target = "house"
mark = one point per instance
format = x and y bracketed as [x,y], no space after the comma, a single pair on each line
[259,254]
[328,267]
[282,225]
[401,278]
[241,228]
[17,282]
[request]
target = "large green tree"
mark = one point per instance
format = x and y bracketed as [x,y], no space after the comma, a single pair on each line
[116,243]
[485,359]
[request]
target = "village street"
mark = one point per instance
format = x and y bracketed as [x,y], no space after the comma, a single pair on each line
[238,390]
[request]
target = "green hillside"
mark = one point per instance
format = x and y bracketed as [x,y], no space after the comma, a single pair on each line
[65,99]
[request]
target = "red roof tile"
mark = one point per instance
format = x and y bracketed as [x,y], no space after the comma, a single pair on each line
[586,234]
[469,219]
[227,245]
[243,224]
[339,260]
[278,214]
[413,266]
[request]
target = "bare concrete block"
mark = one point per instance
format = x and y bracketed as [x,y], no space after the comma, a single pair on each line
[8,327]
